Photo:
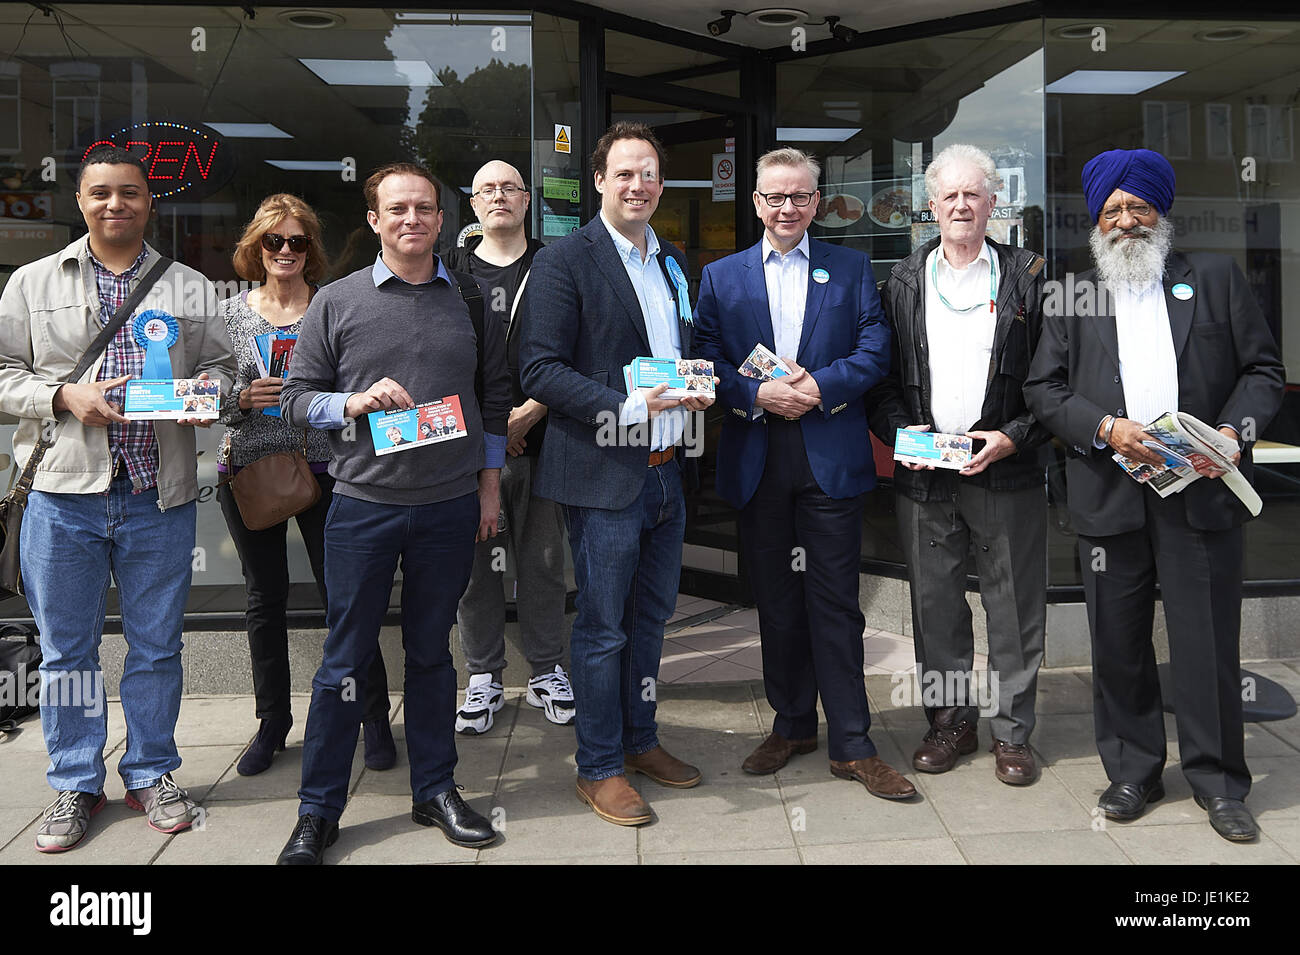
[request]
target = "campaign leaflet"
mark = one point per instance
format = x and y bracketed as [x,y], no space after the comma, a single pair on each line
[272,351]
[763,364]
[950,451]
[685,377]
[429,422]
[171,399]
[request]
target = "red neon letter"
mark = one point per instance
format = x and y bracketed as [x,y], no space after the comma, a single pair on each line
[140,142]
[191,148]
[102,142]
[158,157]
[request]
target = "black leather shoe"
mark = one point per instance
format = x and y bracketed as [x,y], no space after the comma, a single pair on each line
[1230,818]
[311,837]
[1126,801]
[459,823]
[381,751]
[270,737]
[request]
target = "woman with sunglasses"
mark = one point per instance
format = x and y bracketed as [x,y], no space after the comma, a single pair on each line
[281,253]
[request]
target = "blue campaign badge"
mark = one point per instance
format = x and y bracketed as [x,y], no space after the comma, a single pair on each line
[156,331]
[1182,291]
[821,276]
[683,290]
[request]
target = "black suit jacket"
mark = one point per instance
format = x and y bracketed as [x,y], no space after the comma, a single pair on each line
[1229,372]
[583,325]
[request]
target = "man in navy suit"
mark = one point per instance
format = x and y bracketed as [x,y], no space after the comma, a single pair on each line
[795,459]
[599,298]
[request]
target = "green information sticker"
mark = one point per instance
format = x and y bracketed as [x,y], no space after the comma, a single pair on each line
[559,225]
[555,188]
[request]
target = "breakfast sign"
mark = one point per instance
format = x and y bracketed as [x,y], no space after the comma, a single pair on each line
[178,159]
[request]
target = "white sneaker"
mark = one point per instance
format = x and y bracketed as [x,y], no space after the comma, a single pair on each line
[482,699]
[554,695]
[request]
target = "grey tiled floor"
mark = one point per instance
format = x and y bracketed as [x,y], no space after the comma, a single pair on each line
[521,773]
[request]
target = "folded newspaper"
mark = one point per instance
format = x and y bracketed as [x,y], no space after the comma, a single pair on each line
[1189,447]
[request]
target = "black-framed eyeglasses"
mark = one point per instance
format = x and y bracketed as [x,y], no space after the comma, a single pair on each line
[777,199]
[274,242]
[1139,211]
[507,190]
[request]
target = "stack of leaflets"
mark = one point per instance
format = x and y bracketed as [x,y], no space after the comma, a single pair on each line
[938,450]
[1191,448]
[763,364]
[272,351]
[429,422]
[685,377]
[171,399]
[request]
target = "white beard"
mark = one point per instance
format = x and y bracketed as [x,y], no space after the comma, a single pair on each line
[1132,262]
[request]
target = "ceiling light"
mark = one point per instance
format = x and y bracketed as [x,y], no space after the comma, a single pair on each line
[1077,31]
[1225,34]
[816,134]
[306,165]
[249,130]
[777,17]
[310,19]
[1112,82]
[373,72]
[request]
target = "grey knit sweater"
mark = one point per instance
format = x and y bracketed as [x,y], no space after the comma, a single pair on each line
[251,434]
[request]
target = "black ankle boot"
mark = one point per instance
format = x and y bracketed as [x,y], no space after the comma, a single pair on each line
[270,737]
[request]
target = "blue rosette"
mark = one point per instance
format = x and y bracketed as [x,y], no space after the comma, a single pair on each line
[156,331]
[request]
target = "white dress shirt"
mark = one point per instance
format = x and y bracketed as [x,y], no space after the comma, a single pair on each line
[658,305]
[1148,366]
[786,276]
[960,343]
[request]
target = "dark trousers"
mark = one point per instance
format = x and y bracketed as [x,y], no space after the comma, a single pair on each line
[364,543]
[1200,583]
[1007,531]
[803,550]
[264,560]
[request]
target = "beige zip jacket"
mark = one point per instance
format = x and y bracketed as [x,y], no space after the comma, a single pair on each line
[48,317]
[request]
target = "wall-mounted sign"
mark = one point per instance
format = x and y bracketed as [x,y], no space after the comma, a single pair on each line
[36,206]
[724,177]
[563,138]
[178,159]
[556,187]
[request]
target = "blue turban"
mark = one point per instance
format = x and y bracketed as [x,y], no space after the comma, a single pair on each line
[1141,172]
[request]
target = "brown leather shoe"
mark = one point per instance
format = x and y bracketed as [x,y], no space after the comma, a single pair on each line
[947,739]
[877,775]
[1014,763]
[663,768]
[774,752]
[614,800]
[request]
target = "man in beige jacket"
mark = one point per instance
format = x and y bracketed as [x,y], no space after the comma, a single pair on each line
[111,496]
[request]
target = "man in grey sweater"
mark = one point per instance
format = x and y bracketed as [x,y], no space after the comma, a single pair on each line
[380,341]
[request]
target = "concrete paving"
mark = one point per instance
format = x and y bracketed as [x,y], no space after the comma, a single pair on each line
[521,774]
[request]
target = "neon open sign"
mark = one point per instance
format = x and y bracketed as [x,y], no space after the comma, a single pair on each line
[175,157]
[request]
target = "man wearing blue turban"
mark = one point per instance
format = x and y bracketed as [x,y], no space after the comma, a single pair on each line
[1175,332]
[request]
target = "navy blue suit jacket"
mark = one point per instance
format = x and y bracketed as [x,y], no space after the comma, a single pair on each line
[844,346]
[584,324]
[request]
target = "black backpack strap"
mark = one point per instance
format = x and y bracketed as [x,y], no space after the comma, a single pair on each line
[473,296]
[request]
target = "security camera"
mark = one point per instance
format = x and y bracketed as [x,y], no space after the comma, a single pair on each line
[722,24]
[842,33]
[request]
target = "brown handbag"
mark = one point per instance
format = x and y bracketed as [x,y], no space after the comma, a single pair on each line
[15,502]
[274,488]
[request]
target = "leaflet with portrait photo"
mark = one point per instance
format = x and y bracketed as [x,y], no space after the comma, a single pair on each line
[171,399]
[763,364]
[430,422]
[685,377]
[952,451]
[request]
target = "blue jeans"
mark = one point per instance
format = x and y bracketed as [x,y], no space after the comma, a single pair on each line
[363,543]
[627,565]
[70,545]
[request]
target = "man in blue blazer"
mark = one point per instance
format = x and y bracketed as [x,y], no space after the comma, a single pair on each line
[795,459]
[607,294]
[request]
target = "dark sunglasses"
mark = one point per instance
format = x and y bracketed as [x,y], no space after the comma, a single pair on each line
[273,242]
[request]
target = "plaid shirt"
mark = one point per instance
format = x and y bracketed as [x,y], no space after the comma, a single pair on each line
[132,443]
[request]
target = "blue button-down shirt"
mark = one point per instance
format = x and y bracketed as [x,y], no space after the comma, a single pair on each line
[326,410]
[659,310]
